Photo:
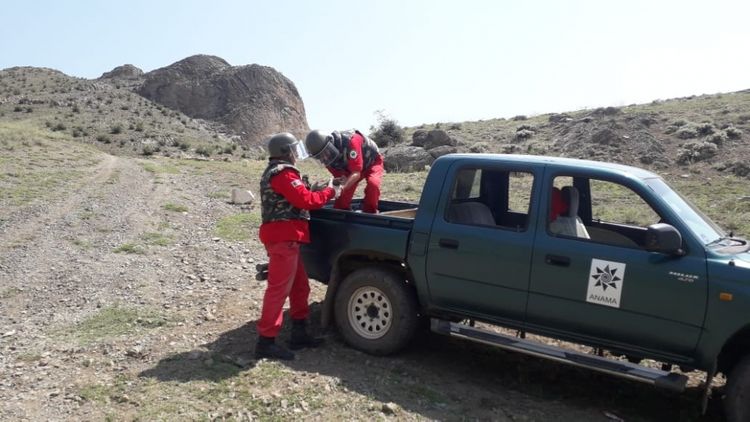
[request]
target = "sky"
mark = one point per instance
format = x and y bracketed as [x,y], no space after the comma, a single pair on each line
[415,61]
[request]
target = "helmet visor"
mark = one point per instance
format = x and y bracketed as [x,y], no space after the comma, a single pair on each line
[299,151]
[328,154]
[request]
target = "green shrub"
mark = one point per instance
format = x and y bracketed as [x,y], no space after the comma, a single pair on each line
[116,129]
[519,117]
[103,139]
[204,151]
[58,127]
[705,129]
[148,150]
[717,138]
[733,133]
[387,132]
[687,132]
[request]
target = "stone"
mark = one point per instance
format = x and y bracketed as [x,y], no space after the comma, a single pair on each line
[432,139]
[442,150]
[241,196]
[389,408]
[419,137]
[405,159]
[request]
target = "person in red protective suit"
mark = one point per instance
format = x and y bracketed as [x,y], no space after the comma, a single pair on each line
[350,156]
[558,205]
[286,200]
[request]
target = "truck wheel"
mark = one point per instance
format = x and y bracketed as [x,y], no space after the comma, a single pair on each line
[376,312]
[737,393]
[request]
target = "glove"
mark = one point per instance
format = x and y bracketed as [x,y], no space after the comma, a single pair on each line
[336,188]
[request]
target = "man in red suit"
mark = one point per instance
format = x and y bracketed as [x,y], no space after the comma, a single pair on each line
[350,156]
[286,200]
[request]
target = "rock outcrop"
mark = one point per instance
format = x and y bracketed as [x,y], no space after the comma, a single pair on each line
[126,71]
[253,101]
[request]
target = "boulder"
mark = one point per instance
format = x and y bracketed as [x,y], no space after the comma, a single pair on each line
[240,196]
[432,139]
[419,137]
[126,71]
[405,159]
[253,101]
[443,150]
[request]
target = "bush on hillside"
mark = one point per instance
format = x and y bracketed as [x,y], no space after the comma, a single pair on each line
[687,132]
[387,132]
[204,151]
[733,133]
[705,129]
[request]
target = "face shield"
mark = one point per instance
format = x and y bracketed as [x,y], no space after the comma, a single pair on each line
[328,154]
[299,151]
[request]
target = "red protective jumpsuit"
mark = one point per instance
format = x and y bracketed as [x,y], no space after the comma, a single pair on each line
[282,239]
[372,175]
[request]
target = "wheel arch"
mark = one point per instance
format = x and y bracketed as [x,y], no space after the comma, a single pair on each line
[734,349]
[350,261]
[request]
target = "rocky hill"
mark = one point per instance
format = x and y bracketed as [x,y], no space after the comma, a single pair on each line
[253,101]
[199,106]
[698,134]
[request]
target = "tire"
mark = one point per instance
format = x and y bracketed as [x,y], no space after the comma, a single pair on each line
[376,311]
[737,393]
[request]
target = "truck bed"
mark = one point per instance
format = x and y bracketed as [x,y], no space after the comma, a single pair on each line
[333,231]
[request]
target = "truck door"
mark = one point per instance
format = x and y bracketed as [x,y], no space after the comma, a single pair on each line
[599,283]
[481,242]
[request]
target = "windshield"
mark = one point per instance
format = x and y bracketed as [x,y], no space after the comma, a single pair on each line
[698,223]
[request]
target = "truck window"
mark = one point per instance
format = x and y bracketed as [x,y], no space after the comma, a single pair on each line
[619,216]
[615,203]
[491,197]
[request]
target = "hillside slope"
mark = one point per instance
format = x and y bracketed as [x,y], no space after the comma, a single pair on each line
[707,133]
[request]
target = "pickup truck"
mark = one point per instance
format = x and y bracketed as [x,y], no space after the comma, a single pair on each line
[593,253]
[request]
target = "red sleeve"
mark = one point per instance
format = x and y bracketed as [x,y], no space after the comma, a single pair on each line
[354,160]
[290,186]
[336,172]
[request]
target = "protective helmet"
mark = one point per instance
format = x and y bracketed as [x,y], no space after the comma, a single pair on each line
[321,147]
[285,143]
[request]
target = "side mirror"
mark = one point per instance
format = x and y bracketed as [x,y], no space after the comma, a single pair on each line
[663,238]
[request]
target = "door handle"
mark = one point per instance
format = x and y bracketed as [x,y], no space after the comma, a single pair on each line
[561,261]
[448,243]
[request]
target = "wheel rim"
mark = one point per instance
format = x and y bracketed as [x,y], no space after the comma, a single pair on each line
[370,312]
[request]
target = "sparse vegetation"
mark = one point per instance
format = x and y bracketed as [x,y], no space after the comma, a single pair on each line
[175,207]
[238,226]
[129,248]
[116,320]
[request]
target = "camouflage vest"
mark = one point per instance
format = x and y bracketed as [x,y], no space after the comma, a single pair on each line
[274,207]
[341,140]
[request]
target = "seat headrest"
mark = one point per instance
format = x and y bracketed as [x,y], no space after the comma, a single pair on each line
[570,197]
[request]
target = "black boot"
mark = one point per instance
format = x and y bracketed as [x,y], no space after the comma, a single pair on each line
[267,348]
[300,337]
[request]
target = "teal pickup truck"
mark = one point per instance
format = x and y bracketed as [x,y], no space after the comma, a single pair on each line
[594,253]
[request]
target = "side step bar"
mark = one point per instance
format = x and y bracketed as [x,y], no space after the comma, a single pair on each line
[662,379]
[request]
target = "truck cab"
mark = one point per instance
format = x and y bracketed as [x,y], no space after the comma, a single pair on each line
[594,253]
